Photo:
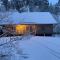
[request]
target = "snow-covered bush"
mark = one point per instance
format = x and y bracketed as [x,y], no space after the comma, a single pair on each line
[10,48]
[57,30]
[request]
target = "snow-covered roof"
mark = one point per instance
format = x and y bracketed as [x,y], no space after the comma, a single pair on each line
[31,18]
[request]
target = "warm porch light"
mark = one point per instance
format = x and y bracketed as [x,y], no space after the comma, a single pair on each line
[21,29]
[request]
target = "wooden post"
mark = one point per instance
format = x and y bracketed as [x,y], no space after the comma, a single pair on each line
[35,29]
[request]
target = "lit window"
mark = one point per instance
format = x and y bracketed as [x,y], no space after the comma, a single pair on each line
[21,29]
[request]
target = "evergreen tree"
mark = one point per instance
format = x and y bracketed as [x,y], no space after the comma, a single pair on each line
[57,7]
[59,2]
[51,8]
[5,3]
[56,10]
[44,5]
[16,4]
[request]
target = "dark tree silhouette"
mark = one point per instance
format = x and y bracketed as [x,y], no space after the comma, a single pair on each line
[5,3]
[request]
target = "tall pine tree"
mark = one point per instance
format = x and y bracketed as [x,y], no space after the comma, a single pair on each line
[59,2]
[5,3]
[44,5]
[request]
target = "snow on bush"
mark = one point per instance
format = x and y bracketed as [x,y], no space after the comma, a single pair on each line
[9,49]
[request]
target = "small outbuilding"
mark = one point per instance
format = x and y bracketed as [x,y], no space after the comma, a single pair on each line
[36,23]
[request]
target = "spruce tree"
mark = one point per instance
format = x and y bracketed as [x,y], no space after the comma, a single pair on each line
[59,2]
[5,3]
[44,5]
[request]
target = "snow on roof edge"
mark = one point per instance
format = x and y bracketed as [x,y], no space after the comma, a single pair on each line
[31,18]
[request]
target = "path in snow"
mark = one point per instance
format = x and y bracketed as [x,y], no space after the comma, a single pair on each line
[42,48]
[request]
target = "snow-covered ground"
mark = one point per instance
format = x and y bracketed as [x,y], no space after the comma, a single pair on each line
[35,48]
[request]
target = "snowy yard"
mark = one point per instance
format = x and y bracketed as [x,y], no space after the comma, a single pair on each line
[36,48]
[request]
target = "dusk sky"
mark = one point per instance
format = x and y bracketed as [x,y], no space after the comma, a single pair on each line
[53,1]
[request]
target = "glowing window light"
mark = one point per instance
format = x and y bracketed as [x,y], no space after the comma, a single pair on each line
[20,29]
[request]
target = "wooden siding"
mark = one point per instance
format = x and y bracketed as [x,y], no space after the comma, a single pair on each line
[35,29]
[44,29]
